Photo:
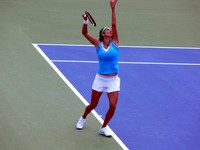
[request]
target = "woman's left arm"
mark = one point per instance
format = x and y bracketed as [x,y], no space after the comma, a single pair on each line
[115,38]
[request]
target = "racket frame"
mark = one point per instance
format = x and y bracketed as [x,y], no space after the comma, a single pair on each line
[90,18]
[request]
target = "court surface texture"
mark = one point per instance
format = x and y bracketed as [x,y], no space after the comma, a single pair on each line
[159,92]
[47,68]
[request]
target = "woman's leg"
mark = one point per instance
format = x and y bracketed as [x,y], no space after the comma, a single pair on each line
[113,99]
[94,101]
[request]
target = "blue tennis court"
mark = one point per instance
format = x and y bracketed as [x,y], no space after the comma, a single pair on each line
[159,103]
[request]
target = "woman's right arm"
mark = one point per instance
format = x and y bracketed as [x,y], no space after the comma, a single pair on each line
[88,36]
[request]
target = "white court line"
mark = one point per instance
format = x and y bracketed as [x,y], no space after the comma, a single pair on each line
[159,47]
[138,63]
[134,63]
[124,147]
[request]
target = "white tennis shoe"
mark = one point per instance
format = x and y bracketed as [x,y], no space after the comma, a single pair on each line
[105,132]
[80,123]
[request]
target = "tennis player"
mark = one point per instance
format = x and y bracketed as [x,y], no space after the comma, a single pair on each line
[106,79]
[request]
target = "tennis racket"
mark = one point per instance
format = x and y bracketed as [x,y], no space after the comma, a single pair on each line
[91,19]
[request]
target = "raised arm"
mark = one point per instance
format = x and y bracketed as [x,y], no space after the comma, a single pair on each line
[115,38]
[88,36]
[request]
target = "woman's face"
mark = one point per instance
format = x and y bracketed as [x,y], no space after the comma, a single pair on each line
[108,32]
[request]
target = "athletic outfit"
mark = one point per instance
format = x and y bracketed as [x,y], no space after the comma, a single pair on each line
[108,64]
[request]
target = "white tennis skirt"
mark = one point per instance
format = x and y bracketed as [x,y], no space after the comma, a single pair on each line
[106,83]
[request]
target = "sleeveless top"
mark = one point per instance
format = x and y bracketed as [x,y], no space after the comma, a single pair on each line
[108,59]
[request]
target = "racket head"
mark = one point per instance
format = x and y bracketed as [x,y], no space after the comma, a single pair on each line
[90,18]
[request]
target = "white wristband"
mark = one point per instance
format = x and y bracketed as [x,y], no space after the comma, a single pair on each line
[85,21]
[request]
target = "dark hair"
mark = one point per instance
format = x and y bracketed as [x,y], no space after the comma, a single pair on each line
[100,36]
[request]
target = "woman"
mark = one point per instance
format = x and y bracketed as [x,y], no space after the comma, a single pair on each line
[106,79]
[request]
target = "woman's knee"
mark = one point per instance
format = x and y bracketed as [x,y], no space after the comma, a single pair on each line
[113,107]
[93,105]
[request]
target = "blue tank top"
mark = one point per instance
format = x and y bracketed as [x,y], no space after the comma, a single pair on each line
[108,59]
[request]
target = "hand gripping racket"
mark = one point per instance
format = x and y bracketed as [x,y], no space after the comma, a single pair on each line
[91,19]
